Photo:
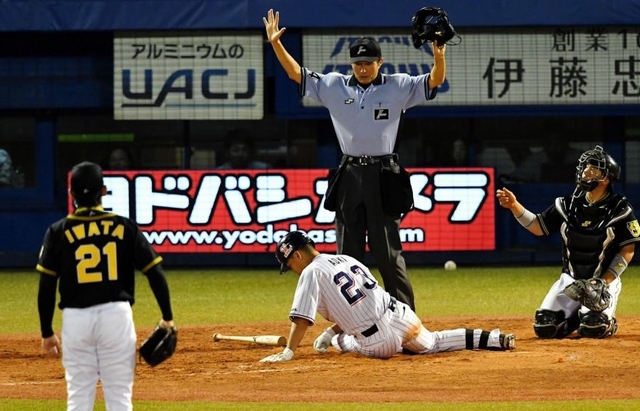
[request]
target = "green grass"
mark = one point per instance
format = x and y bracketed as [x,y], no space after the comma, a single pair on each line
[251,296]
[34,405]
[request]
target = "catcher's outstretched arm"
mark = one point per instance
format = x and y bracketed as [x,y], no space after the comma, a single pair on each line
[526,218]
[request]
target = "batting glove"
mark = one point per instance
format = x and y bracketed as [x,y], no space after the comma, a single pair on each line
[324,340]
[285,355]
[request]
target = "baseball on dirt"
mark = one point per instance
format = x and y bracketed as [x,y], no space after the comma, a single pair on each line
[450,265]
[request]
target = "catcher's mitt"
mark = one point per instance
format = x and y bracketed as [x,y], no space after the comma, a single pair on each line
[160,345]
[431,24]
[593,293]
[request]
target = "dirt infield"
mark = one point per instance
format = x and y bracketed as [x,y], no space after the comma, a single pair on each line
[229,371]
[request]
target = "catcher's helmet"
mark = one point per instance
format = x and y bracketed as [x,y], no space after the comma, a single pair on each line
[288,244]
[601,160]
[431,24]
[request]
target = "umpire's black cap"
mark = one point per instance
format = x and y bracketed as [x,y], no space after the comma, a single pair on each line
[288,244]
[86,182]
[365,49]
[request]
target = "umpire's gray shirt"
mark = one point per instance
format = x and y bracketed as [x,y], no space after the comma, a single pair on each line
[366,121]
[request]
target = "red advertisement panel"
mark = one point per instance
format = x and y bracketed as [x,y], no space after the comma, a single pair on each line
[219,211]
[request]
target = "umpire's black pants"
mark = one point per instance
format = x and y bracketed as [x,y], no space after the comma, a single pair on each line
[359,214]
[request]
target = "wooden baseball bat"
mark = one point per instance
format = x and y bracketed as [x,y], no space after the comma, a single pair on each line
[275,340]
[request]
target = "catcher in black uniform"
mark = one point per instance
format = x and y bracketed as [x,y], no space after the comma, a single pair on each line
[599,232]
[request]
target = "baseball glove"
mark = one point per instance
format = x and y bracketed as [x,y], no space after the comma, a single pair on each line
[160,345]
[431,24]
[593,293]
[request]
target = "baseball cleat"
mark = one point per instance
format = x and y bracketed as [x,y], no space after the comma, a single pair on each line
[507,341]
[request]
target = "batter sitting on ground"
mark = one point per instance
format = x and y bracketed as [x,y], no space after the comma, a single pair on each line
[367,319]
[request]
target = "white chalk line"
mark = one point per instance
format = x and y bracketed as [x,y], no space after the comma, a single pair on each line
[243,370]
[11,384]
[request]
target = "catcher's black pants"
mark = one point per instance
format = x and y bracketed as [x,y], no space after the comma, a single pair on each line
[359,214]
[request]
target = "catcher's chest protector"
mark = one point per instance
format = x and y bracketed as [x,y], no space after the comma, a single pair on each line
[585,252]
[586,236]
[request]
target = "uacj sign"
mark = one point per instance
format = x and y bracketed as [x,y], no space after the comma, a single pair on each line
[181,77]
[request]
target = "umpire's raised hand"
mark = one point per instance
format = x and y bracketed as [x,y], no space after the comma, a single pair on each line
[271,23]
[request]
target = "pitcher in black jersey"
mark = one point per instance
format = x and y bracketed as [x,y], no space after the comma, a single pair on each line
[599,232]
[93,254]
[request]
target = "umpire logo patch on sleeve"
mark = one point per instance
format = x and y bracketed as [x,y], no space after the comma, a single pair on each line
[381,114]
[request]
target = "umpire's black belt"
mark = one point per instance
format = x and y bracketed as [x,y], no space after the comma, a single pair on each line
[374,328]
[386,160]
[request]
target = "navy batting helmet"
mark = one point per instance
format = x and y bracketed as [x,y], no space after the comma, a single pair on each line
[288,244]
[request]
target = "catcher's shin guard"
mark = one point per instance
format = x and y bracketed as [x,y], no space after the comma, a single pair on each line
[554,324]
[597,325]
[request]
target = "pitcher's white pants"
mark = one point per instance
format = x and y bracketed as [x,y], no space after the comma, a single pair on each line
[99,343]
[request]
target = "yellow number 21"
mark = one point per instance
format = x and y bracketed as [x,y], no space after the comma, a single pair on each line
[88,256]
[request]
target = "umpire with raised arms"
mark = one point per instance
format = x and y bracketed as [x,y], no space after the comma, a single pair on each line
[365,109]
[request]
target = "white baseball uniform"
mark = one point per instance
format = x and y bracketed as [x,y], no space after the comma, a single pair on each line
[374,324]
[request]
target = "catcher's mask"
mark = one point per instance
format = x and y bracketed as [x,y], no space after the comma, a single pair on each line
[431,24]
[599,159]
[288,245]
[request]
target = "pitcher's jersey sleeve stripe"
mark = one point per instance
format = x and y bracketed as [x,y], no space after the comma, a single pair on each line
[45,270]
[156,261]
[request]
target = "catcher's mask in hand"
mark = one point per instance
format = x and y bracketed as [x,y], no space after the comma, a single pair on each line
[431,24]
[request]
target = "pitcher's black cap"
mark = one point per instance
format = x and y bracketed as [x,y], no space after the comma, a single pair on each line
[86,180]
[365,49]
[288,245]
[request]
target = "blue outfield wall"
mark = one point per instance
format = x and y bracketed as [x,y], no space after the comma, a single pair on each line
[90,15]
[84,71]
